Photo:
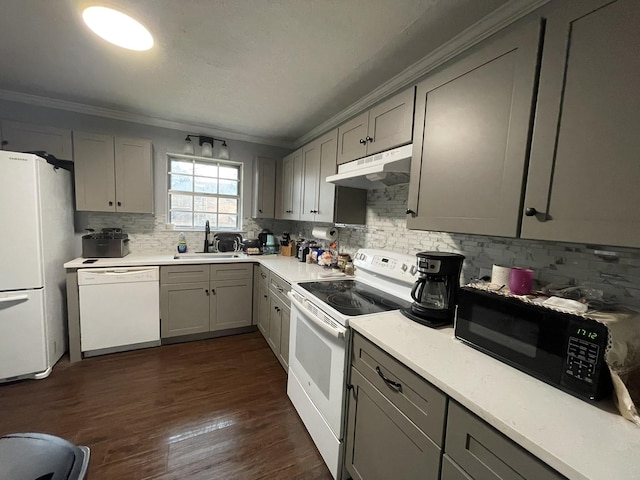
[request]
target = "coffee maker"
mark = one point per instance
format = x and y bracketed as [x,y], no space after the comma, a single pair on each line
[436,290]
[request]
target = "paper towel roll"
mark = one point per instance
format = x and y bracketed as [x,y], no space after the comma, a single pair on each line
[322,233]
[500,275]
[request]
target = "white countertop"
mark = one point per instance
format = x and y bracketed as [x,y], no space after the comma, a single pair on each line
[578,439]
[289,268]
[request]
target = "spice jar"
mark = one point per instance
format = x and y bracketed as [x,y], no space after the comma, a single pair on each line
[348,268]
[343,258]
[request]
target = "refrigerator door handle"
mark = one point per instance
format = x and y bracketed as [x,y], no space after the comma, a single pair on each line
[14,298]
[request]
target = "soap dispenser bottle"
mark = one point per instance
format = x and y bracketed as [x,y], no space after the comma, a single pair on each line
[182,243]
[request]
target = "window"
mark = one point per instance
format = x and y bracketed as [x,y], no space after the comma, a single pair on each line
[202,189]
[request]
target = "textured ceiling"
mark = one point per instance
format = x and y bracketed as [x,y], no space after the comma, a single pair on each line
[269,69]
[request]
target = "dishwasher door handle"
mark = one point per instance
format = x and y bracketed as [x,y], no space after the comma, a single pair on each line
[122,271]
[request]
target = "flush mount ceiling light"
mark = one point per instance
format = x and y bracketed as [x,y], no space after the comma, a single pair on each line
[117,28]
[207,146]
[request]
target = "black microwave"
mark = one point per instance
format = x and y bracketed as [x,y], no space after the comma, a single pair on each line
[561,349]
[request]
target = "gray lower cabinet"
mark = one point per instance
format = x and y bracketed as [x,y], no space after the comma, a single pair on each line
[198,299]
[230,304]
[184,309]
[261,301]
[273,310]
[275,324]
[279,313]
[396,423]
[483,453]
[395,420]
[471,137]
[285,321]
[184,300]
[451,471]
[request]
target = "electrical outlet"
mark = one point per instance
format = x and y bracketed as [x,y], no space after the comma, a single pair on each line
[485,272]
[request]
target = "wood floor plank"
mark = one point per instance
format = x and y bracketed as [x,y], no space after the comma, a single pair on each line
[214,409]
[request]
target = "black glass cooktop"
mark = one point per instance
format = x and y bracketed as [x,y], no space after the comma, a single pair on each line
[352,298]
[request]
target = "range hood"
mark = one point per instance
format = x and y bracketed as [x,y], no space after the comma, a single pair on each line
[375,171]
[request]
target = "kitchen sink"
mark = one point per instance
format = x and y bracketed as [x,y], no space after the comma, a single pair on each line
[208,256]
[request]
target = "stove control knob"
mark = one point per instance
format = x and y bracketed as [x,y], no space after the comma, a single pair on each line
[404,267]
[413,270]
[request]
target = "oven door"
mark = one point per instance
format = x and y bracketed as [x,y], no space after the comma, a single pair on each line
[317,358]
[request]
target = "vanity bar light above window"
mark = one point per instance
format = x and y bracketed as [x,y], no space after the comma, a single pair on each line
[207,146]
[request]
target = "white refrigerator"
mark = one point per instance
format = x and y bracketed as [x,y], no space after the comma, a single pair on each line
[36,239]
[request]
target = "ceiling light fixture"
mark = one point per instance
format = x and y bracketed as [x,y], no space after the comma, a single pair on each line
[207,146]
[118,28]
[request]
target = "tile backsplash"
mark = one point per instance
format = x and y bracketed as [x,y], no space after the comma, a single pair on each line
[554,262]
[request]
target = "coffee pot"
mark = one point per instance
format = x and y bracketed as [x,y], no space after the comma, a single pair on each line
[435,292]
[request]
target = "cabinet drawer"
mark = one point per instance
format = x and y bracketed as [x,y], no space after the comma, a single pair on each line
[423,404]
[264,274]
[279,288]
[231,271]
[484,453]
[184,274]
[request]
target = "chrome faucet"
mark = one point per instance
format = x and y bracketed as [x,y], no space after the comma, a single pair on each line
[207,231]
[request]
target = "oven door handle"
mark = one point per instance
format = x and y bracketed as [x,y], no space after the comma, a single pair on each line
[337,331]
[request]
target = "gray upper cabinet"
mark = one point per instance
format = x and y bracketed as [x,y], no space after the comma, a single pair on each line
[584,168]
[291,187]
[264,188]
[352,136]
[24,137]
[113,174]
[471,133]
[387,125]
[322,201]
[318,161]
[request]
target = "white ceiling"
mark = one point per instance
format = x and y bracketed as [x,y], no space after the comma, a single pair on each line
[266,70]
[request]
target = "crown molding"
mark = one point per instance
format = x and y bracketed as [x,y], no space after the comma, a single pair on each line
[40,101]
[487,26]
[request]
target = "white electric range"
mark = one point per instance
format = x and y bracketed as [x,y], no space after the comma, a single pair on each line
[319,340]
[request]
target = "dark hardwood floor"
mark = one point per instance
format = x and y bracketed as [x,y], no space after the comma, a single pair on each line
[213,409]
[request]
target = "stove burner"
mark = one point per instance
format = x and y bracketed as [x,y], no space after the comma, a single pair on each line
[330,286]
[350,301]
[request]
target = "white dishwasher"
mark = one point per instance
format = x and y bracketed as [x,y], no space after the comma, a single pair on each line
[119,309]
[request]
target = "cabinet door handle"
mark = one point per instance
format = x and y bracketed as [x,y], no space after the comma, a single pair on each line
[363,141]
[259,210]
[532,212]
[368,138]
[213,290]
[110,203]
[265,296]
[395,385]
[119,204]
[206,291]
[410,212]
